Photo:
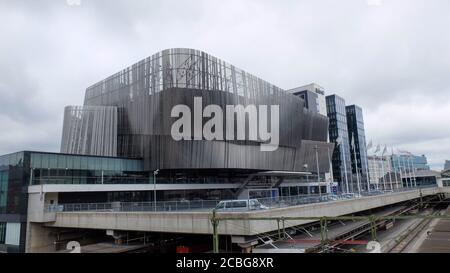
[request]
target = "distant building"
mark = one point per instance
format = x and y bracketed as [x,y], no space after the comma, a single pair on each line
[338,133]
[381,173]
[421,178]
[447,165]
[410,163]
[314,97]
[355,123]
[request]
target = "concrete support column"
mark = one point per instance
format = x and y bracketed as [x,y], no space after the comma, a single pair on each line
[39,239]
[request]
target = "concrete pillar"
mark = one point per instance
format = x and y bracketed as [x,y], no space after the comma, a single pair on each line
[247,250]
[39,239]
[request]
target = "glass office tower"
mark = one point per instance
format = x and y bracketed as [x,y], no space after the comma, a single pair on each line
[338,132]
[355,124]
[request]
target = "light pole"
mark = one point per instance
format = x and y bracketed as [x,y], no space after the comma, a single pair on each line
[413,173]
[402,166]
[317,165]
[154,188]
[399,169]
[375,168]
[382,169]
[339,141]
[31,175]
[331,165]
[307,181]
[367,170]
[390,172]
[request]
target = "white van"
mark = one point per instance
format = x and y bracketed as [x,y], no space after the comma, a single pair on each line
[240,205]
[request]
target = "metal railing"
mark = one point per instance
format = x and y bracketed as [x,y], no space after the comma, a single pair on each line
[199,205]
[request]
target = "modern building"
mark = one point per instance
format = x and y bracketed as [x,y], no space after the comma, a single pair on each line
[410,163]
[121,146]
[421,178]
[410,169]
[314,97]
[358,151]
[20,170]
[447,165]
[338,133]
[381,174]
[346,129]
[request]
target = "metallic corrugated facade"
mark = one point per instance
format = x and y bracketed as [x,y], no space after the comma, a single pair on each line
[145,93]
[90,130]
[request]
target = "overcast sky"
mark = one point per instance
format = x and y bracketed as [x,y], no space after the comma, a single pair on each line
[391,57]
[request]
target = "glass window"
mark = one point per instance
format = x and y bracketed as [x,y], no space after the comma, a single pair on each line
[76,162]
[118,166]
[52,161]
[91,163]
[84,163]
[45,160]
[61,161]
[237,204]
[69,162]
[36,161]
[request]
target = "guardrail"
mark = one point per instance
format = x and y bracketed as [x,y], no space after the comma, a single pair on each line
[199,205]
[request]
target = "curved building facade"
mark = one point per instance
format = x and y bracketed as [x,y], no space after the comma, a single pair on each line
[145,94]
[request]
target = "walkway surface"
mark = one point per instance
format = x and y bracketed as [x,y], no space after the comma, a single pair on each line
[438,240]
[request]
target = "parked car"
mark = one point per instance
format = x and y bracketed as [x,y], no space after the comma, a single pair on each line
[348,195]
[333,197]
[376,192]
[240,205]
[324,198]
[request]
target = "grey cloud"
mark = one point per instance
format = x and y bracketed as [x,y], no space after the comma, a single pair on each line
[389,59]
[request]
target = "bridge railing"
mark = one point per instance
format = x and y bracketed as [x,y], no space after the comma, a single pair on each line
[199,205]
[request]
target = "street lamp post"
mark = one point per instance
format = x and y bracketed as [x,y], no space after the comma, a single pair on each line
[339,141]
[406,171]
[31,176]
[390,172]
[383,173]
[400,170]
[412,172]
[154,188]
[383,161]
[307,181]
[367,172]
[331,165]
[318,173]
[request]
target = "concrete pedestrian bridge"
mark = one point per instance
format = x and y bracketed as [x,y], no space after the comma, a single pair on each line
[199,222]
